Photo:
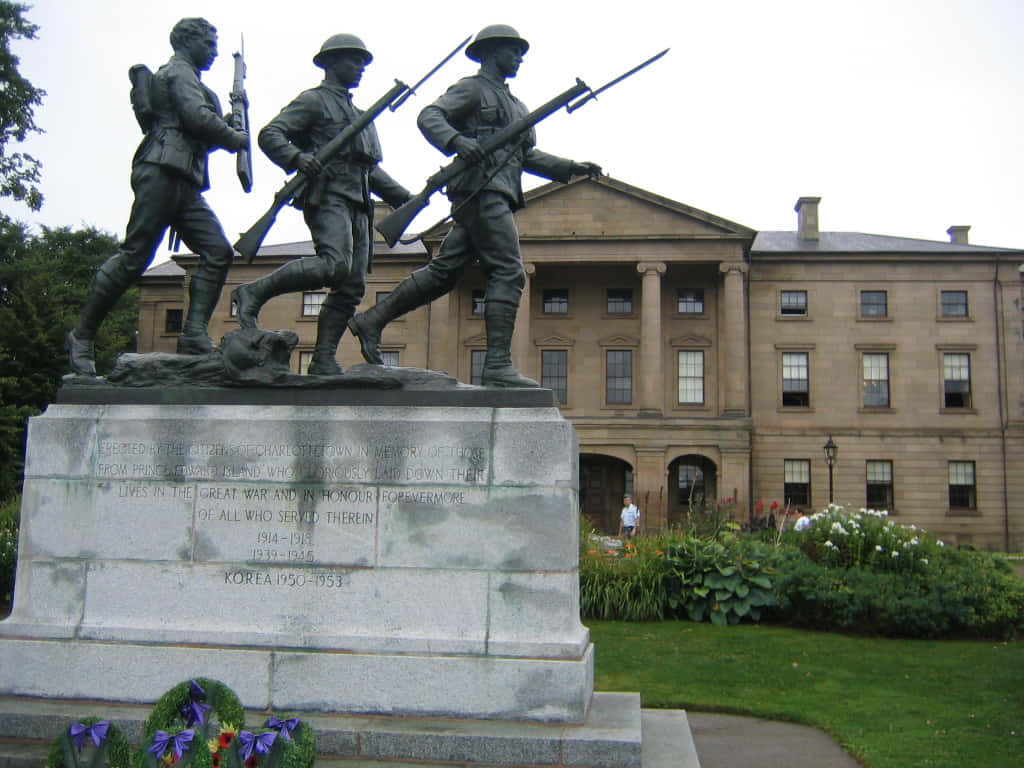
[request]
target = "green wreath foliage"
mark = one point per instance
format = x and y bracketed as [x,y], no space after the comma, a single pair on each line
[300,751]
[166,714]
[113,751]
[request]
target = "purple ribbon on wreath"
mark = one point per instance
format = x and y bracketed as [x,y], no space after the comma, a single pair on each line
[285,727]
[179,741]
[97,732]
[258,743]
[194,711]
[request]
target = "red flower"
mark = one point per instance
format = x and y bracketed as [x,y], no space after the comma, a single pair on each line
[591,551]
[728,499]
[774,506]
[216,759]
[758,507]
[252,762]
[225,739]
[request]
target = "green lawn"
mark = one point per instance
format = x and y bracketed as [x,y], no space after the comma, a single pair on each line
[890,703]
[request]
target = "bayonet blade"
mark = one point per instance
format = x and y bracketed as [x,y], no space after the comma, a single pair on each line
[593,94]
[422,80]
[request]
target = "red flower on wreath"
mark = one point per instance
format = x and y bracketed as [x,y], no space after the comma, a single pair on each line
[225,739]
[216,759]
[252,762]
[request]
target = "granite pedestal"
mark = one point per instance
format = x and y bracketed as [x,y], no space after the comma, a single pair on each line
[346,558]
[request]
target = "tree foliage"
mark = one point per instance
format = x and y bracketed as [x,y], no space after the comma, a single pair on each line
[44,280]
[19,172]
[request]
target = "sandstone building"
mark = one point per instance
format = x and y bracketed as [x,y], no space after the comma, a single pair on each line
[701,360]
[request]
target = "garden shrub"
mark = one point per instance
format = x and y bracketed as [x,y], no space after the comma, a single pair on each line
[8,547]
[626,584]
[860,572]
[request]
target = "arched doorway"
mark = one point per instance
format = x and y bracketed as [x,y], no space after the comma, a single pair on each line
[603,481]
[694,481]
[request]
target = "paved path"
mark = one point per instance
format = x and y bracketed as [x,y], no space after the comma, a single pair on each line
[728,741]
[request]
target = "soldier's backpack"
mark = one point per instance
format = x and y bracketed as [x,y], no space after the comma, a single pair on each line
[142,101]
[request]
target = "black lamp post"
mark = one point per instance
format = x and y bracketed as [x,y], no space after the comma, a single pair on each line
[831,449]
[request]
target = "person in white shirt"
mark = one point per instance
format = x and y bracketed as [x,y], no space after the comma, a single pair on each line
[629,519]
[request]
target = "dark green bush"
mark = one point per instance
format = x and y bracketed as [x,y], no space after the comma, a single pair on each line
[8,546]
[961,593]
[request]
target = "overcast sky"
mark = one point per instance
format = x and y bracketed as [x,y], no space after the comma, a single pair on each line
[904,116]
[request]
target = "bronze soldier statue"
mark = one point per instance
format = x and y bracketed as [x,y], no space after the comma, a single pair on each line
[169,174]
[336,204]
[483,199]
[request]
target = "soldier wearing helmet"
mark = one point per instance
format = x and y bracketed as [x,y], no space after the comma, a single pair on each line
[484,199]
[336,203]
[169,175]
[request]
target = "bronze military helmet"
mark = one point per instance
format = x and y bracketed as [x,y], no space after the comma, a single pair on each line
[341,42]
[490,34]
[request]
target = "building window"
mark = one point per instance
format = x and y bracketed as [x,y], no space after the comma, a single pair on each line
[556,301]
[797,487]
[876,380]
[172,321]
[554,372]
[793,303]
[796,391]
[380,296]
[879,485]
[957,379]
[477,298]
[690,301]
[954,303]
[476,365]
[620,301]
[619,376]
[305,358]
[874,304]
[691,378]
[390,358]
[962,491]
[312,301]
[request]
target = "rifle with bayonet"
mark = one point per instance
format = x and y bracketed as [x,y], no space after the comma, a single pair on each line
[391,227]
[249,243]
[240,119]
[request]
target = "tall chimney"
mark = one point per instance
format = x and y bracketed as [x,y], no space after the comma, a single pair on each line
[958,235]
[807,217]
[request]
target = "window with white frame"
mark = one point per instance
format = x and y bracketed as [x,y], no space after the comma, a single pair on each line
[556,301]
[554,372]
[796,389]
[953,303]
[797,482]
[691,377]
[312,301]
[956,374]
[690,301]
[476,365]
[305,358]
[620,301]
[879,485]
[874,304]
[793,303]
[390,358]
[876,379]
[619,376]
[962,489]
[477,297]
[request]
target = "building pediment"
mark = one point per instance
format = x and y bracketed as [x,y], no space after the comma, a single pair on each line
[690,341]
[607,208]
[554,341]
[619,340]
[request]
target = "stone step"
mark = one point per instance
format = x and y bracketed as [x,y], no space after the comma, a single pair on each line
[611,737]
